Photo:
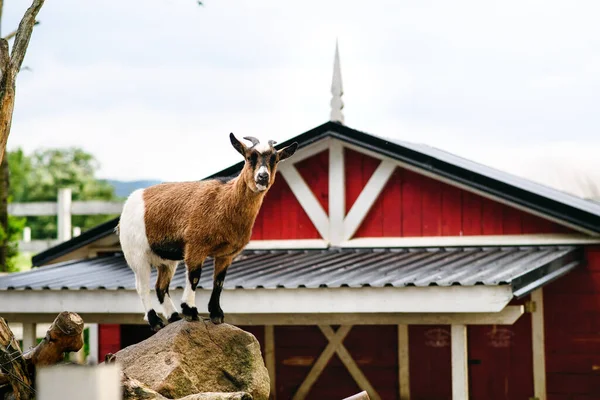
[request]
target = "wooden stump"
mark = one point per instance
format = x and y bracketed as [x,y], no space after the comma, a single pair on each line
[64,335]
[14,367]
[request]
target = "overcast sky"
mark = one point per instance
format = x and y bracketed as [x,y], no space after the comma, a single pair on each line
[146,85]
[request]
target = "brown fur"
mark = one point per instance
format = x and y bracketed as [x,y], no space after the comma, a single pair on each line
[208,218]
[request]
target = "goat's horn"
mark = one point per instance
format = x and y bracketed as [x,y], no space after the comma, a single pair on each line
[252,139]
[272,143]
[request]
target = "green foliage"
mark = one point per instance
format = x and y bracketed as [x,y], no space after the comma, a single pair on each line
[38,177]
[15,231]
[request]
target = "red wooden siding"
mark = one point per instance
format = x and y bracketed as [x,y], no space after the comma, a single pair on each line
[109,339]
[282,217]
[373,348]
[415,205]
[572,329]
[430,362]
[315,171]
[500,357]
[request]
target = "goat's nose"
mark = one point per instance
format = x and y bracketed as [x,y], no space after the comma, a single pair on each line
[263,176]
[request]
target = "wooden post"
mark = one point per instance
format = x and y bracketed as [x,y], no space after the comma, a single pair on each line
[27,234]
[64,214]
[66,382]
[337,204]
[538,345]
[460,367]
[270,358]
[93,343]
[403,363]
[29,336]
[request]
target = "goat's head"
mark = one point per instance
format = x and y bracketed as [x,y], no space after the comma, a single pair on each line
[261,161]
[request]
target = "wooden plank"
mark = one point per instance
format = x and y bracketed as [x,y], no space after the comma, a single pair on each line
[451,211]
[508,316]
[411,205]
[367,198]
[471,213]
[460,366]
[337,188]
[431,207]
[270,358]
[403,363]
[321,362]
[539,344]
[350,364]
[392,204]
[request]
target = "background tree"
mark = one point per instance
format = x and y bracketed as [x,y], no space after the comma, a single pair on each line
[39,176]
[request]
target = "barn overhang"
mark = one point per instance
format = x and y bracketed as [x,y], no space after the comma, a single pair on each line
[361,284]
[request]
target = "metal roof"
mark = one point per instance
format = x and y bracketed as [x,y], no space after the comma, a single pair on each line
[545,200]
[525,268]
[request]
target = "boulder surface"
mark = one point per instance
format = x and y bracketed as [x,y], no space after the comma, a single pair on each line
[188,358]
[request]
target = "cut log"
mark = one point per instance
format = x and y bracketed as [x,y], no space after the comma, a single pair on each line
[13,365]
[64,335]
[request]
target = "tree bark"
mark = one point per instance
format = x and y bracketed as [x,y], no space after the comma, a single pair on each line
[13,364]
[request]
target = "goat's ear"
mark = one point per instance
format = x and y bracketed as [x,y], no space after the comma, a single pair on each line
[287,152]
[239,146]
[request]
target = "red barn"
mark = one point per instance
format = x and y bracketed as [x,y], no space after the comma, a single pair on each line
[380,265]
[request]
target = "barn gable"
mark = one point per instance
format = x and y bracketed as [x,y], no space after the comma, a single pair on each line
[346,188]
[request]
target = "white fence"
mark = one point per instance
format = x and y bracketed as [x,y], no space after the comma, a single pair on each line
[63,208]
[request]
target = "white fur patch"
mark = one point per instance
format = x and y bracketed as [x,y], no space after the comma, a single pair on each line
[136,249]
[263,148]
[261,187]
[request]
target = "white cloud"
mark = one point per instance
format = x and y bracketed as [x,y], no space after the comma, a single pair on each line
[154,88]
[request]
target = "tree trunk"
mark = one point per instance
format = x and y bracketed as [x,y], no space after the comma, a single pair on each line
[13,364]
[10,66]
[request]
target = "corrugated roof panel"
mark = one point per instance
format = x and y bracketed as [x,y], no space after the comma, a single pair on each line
[324,268]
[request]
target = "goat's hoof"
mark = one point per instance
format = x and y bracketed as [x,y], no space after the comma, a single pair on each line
[217,318]
[174,317]
[189,313]
[156,323]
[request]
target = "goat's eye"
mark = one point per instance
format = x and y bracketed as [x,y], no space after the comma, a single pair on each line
[253,159]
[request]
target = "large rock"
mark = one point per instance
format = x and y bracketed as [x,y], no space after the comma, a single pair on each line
[187,358]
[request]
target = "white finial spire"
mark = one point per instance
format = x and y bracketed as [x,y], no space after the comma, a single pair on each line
[336,89]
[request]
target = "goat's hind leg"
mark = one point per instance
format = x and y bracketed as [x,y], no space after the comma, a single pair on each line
[188,301]
[163,280]
[142,285]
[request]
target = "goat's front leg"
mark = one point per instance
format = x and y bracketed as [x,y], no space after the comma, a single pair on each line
[193,272]
[214,306]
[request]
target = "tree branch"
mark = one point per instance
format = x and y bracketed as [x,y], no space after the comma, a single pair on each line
[23,35]
[14,33]
[4,58]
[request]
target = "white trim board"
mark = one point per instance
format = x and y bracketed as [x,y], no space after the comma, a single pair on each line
[507,316]
[429,299]
[287,244]
[480,240]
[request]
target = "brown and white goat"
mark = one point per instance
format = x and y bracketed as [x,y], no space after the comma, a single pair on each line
[190,221]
